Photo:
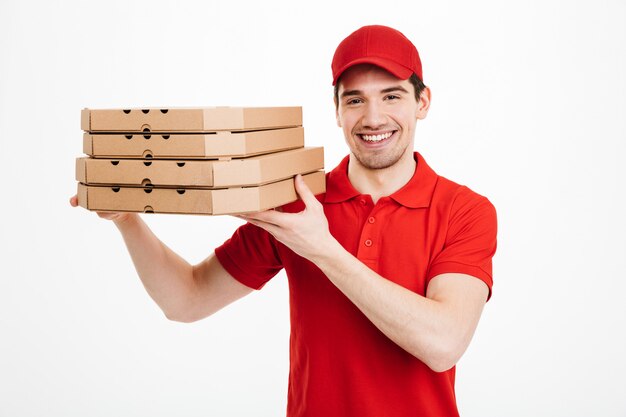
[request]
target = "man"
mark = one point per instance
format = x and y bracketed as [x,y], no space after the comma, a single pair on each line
[388,270]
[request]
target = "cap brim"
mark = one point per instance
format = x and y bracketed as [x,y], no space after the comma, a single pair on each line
[394,68]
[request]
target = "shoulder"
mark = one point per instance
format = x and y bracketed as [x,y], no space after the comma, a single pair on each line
[455,201]
[462,210]
[468,215]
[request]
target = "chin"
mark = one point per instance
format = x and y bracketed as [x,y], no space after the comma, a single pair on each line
[381,160]
[377,162]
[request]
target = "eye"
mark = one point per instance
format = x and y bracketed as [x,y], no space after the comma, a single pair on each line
[392,97]
[353,101]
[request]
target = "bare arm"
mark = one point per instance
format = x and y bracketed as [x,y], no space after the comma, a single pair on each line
[436,329]
[184,292]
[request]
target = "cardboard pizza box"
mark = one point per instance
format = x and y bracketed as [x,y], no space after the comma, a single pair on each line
[192,146]
[254,170]
[206,119]
[196,201]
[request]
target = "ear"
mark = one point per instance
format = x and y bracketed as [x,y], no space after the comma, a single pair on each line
[423,104]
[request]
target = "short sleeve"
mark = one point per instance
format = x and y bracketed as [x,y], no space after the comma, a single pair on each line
[250,256]
[470,242]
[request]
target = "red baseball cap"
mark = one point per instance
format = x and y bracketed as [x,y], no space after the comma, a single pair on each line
[381,46]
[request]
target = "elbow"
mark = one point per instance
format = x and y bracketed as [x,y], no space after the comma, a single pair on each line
[184,308]
[182,316]
[442,357]
[442,363]
[179,318]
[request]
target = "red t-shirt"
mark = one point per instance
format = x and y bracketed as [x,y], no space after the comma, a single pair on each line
[340,363]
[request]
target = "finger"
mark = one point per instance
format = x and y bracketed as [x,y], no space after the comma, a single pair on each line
[268,227]
[74,201]
[304,192]
[268,216]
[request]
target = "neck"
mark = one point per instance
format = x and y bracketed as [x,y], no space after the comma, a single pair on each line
[381,182]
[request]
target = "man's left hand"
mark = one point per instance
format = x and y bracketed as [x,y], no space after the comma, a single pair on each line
[306,232]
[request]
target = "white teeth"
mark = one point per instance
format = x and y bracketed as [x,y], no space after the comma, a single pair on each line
[376,138]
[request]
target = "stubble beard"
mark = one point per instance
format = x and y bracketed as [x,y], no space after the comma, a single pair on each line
[380,160]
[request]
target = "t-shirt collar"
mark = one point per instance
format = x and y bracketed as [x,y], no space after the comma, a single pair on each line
[414,194]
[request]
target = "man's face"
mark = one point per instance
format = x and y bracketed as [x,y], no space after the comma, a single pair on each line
[377,113]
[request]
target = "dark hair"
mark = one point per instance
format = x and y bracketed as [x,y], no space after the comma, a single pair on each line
[418,86]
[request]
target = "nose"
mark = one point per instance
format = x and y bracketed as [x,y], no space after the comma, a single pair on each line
[373,116]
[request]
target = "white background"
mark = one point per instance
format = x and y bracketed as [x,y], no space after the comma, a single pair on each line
[529,106]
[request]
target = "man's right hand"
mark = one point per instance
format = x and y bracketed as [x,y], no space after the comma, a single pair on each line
[117,217]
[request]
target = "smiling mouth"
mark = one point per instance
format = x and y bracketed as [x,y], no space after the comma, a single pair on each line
[376,138]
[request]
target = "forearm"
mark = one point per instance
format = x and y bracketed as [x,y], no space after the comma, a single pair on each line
[436,328]
[419,325]
[167,277]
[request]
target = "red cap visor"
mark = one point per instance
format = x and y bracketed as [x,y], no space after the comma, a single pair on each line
[397,70]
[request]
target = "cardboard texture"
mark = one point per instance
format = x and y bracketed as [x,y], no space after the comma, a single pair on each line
[196,201]
[208,119]
[237,172]
[192,146]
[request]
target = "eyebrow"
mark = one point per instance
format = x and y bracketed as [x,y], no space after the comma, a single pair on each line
[351,93]
[394,88]
[383,91]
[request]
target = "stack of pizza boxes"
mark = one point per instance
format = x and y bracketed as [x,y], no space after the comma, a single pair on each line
[219,160]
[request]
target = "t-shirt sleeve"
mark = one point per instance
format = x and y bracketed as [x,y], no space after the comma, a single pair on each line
[250,256]
[470,240]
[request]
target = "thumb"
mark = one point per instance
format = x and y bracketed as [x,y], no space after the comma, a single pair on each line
[304,192]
